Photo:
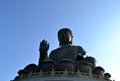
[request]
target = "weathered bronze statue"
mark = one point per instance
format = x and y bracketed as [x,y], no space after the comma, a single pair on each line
[65,51]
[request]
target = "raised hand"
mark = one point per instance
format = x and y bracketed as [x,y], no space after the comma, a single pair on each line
[44,46]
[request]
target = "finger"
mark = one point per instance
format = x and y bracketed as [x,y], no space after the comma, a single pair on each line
[45,42]
[42,42]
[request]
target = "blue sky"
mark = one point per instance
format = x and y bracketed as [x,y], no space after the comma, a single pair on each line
[24,23]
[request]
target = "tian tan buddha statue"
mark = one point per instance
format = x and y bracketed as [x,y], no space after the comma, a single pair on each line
[65,50]
[65,53]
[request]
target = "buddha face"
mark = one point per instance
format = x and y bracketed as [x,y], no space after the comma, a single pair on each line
[65,36]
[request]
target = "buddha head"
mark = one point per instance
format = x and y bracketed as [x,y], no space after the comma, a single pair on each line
[65,36]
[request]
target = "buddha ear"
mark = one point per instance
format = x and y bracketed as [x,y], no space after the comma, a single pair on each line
[72,37]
